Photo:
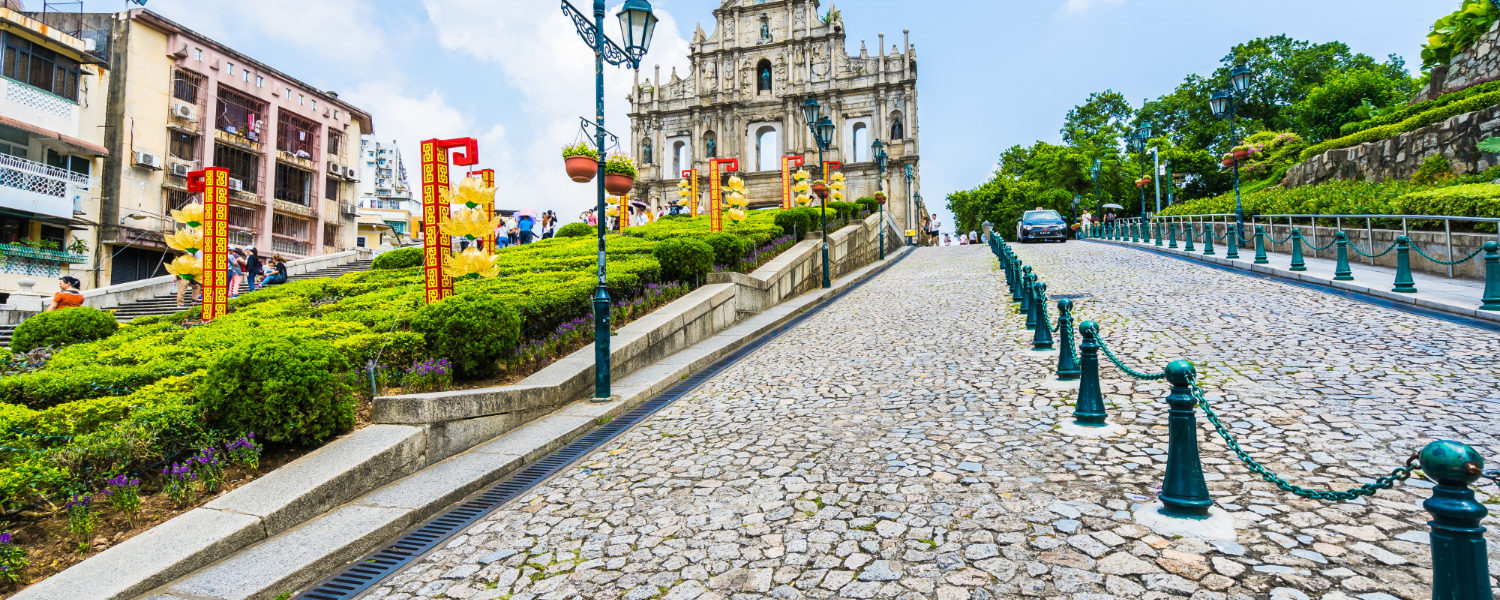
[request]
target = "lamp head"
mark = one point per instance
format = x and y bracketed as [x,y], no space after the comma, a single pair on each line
[1240,78]
[1219,103]
[1145,130]
[637,25]
[810,111]
[881,158]
[825,133]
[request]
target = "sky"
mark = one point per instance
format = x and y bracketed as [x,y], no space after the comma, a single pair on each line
[992,73]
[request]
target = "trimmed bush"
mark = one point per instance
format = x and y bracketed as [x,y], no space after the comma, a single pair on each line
[728,248]
[1416,121]
[575,230]
[869,204]
[795,221]
[845,210]
[286,388]
[63,327]
[684,259]
[1469,200]
[404,258]
[474,331]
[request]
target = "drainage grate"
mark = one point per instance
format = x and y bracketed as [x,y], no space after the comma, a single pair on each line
[384,562]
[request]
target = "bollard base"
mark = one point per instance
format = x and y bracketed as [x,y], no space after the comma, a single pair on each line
[1108,430]
[614,398]
[1217,526]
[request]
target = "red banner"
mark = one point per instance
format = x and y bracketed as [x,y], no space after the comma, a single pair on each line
[624,212]
[716,189]
[488,241]
[213,183]
[436,207]
[830,164]
[787,162]
[692,175]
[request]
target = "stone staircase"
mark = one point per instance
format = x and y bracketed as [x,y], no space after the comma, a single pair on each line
[166,304]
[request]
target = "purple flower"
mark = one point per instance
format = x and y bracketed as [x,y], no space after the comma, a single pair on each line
[5,537]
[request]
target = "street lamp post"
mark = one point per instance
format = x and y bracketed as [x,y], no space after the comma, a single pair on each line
[1098,206]
[1224,104]
[881,160]
[1138,145]
[822,130]
[910,207]
[1076,198]
[637,24]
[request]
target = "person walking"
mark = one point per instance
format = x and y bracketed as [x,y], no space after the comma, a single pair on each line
[1086,223]
[253,268]
[68,294]
[526,223]
[236,271]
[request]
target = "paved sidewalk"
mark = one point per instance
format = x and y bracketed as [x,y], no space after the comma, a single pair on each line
[905,443]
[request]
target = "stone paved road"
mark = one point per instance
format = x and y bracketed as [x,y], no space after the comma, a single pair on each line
[901,444]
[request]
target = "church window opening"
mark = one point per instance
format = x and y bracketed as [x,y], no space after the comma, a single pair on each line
[861,150]
[763,76]
[679,156]
[767,149]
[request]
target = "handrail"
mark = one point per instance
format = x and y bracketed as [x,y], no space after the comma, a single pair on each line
[1336,216]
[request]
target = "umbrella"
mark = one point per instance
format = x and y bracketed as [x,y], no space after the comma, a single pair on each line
[639,204]
[1114,206]
[526,212]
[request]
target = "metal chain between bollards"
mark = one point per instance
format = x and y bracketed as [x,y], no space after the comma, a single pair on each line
[1384,482]
[1323,247]
[1067,338]
[1388,250]
[1273,240]
[1128,371]
[1446,262]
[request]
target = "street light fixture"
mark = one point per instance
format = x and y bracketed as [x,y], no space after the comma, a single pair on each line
[1138,146]
[881,160]
[1098,207]
[1224,104]
[1076,198]
[910,206]
[637,25]
[822,130]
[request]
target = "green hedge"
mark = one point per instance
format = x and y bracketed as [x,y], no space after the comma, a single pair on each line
[404,258]
[1416,121]
[797,221]
[684,259]
[63,327]
[575,230]
[728,248]
[1360,198]
[300,388]
[1404,112]
[474,331]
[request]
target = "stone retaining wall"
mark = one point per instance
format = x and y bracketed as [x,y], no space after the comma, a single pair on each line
[1476,64]
[1399,157]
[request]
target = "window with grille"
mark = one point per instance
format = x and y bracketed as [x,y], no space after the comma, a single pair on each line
[185,85]
[297,136]
[183,146]
[39,67]
[242,217]
[289,226]
[331,189]
[242,165]
[176,199]
[335,142]
[330,234]
[240,114]
[293,184]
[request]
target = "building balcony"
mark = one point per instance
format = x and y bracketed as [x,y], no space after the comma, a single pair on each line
[241,237]
[292,208]
[239,141]
[38,107]
[305,163]
[17,251]
[38,188]
[284,245]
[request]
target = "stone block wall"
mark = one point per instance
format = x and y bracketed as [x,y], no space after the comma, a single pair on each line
[1476,64]
[1399,157]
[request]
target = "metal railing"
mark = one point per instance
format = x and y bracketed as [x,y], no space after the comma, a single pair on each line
[32,176]
[282,245]
[1369,229]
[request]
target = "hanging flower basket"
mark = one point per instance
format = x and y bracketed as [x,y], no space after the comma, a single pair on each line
[582,162]
[1228,161]
[1242,154]
[820,188]
[880,197]
[619,175]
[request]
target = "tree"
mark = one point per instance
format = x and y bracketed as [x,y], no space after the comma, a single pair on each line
[1100,122]
[1329,106]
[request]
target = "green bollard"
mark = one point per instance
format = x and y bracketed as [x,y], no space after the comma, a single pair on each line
[1233,252]
[1172,235]
[1491,296]
[1404,283]
[1208,239]
[1341,271]
[1088,411]
[1015,290]
[1026,280]
[1157,224]
[1297,263]
[1067,367]
[1260,246]
[1135,233]
[1043,338]
[1189,232]
[1030,294]
[1184,492]
[1145,232]
[1460,561]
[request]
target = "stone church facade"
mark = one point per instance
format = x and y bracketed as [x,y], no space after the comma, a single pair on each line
[743,95]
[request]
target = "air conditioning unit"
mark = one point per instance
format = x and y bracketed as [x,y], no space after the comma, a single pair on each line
[148,160]
[350,173]
[180,169]
[236,185]
[185,111]
[335,169]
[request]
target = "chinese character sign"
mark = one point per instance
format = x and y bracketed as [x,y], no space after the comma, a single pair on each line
[787,162]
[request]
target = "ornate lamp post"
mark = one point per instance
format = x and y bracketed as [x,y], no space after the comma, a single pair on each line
[881,160]
[822,129]
[911,207]
[1076,198]
[1224,104]
[637,24]
[1098,207]
[1138,146]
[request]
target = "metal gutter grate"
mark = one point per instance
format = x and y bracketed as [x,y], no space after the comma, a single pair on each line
[376,566]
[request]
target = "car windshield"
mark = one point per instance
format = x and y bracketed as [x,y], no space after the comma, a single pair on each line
[1038,216]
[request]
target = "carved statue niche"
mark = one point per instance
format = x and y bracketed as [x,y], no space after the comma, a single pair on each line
[765,29]
[728,26]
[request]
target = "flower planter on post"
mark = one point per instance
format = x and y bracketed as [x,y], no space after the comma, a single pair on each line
[581,162]
[619,175]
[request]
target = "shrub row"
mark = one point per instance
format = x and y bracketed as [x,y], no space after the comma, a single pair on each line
[1416,121]
[1404,112]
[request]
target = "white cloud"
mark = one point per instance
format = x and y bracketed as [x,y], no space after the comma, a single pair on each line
[325,28]
[1079,6]
[550,72]
[409,119]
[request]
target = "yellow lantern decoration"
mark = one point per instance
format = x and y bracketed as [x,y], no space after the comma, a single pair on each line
[801,188]
[186,266]
[836,187]
[186,240]
[190,215]
[472,264]
[472,193]
[469,223]
[735,203]
[684,192]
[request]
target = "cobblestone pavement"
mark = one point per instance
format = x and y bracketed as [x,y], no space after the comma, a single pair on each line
[902,444]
